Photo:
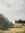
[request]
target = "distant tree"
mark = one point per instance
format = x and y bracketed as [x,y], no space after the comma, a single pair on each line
[19,21]
[23,22]
[16,21]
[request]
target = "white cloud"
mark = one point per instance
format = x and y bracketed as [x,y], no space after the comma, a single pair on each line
[12,8]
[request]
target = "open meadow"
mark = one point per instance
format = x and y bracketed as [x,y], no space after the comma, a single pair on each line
[14,30]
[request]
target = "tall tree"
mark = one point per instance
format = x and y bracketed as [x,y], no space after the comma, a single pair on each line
[4,22]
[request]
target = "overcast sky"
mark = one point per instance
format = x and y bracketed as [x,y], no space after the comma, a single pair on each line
[13,9]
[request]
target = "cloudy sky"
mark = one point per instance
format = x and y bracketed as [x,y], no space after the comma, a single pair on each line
[13,9]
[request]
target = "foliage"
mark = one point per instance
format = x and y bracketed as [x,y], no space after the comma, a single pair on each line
[4,22]
[20,21]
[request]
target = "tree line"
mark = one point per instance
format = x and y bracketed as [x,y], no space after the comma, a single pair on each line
[20,21]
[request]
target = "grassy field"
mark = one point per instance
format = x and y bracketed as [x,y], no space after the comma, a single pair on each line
[14,30]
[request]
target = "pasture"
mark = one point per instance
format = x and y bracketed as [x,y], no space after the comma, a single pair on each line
[14,30]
